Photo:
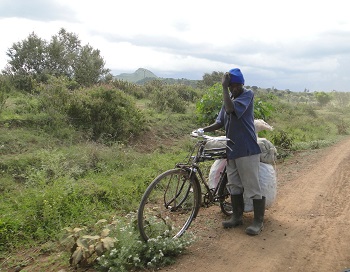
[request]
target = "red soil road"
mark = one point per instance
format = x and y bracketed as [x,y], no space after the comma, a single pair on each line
[306,229]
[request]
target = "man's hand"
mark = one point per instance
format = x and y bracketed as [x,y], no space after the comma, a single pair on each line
[198,132]
[226,80]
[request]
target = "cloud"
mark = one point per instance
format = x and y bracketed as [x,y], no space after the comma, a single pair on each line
[286,44]
[39,10]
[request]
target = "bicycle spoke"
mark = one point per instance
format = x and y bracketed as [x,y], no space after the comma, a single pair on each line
[168,206]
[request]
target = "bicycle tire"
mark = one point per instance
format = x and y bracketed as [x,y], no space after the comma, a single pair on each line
[169,205]
[224,196]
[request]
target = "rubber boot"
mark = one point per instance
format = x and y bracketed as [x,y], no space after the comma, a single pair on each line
[258,222]
[237,203]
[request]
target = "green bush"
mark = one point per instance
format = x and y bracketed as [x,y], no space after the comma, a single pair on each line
[130,88]
[186,93]
[129,252]
[283,142]
[5,89]
[105,114]
[208,107]
[342,127]
[167,98]
[262,109]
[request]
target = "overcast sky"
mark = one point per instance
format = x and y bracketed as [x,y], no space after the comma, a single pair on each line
[276,43]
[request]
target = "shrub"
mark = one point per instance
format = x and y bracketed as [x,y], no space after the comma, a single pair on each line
[208,107]
[342,127]
[105,114]
[167,99]
[129,88]
[117,246]
[5,88]
[283,143]
[262,110]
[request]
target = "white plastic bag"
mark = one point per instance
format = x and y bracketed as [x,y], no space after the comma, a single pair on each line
[268,184]
[215,171]
[268,151]
[267,179]
[216,142]
[261,125]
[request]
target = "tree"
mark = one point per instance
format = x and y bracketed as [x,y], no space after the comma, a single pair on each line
[210,79]
[27,62]
[323,98]
[33,60]
[62,52]
[28,56]
[89,66]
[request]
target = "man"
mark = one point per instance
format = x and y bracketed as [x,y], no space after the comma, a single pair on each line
[237,116]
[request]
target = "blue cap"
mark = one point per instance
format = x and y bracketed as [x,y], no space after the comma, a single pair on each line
[236,76]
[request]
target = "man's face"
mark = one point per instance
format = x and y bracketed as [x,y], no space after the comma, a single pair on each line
[236,89]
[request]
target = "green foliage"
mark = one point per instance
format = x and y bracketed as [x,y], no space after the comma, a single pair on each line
[86,248]
[211,79]
[262,109]
[341,99]
[118,247]
[129,88]
[208,107]
[55,95]
[342,127]
[283,142]
[173,98]
[62,54]
[61,187]
[34,59]
[5,89]
[323,98]
[105,114]
[89,66]
[317,144]
[27,57]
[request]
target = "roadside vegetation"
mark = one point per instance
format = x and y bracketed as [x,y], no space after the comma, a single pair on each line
[78,149]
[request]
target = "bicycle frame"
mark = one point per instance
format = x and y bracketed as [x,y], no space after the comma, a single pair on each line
[202,154]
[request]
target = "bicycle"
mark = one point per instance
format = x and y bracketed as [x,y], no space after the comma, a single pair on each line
[172,200]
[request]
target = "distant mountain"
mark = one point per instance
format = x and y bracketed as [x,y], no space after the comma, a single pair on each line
[142,76]
[138,76]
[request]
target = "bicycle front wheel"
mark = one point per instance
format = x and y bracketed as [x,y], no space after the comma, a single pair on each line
[169,205]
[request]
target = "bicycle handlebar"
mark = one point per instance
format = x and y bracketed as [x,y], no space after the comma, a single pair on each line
[211,139]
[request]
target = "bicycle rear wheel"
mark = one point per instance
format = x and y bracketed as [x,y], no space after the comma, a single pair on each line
[169,205]
[224,196]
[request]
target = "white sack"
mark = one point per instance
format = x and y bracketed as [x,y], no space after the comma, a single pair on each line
[215,171]
[267,179]
[268,184]
[261,125]
[268,151]
[216,142]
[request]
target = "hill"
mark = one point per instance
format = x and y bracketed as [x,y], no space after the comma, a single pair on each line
[139,75]
[142,76]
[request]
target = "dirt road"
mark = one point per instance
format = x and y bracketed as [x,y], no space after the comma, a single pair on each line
[306,229]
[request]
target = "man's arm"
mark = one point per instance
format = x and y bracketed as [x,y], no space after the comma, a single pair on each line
[228,104]
[212,127]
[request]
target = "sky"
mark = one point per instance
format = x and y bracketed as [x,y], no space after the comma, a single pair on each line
[282,44]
